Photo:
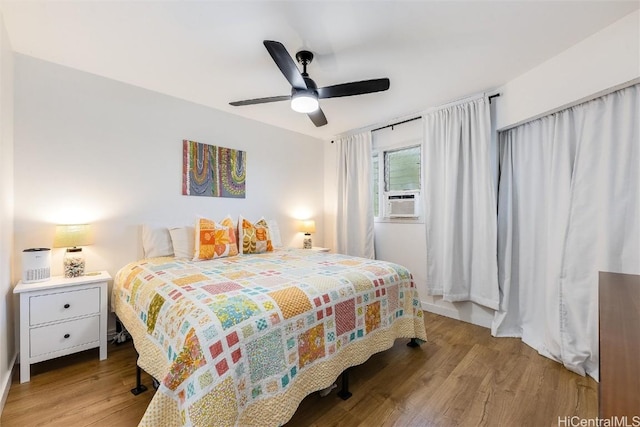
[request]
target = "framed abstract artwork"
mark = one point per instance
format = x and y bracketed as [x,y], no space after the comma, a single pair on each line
[213,171]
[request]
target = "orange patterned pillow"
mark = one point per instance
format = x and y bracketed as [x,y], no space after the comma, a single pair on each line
[254,238]
[227,242]
[215,240]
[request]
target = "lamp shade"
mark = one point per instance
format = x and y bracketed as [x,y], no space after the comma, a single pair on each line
[308,226]
[72,235]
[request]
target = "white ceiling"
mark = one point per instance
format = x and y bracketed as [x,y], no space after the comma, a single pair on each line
[211,52]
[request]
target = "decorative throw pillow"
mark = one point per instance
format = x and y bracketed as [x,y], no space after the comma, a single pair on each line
[226,240]
[214,240]
[253,238]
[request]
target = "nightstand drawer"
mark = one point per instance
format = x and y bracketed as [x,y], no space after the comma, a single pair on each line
[52,338]
[63,305]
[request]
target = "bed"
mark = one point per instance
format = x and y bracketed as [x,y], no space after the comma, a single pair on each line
[241,340]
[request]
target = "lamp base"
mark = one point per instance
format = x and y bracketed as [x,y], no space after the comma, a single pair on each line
[73,262]
[306,243]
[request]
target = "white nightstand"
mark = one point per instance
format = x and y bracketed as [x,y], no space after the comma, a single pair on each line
[62,316]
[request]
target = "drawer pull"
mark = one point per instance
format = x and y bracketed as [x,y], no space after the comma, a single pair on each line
[67,306]
[67,335]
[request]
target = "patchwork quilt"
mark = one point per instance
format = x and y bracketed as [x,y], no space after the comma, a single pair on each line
[242,340]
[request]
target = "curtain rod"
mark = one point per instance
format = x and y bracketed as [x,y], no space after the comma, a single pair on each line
[391,125]
[396,124]
[417,117]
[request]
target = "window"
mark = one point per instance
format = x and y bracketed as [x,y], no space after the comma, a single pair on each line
[395,170]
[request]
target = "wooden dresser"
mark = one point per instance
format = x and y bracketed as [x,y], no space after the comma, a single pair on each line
[619,310]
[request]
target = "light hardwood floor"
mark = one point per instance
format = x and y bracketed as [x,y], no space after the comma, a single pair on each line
[461,377]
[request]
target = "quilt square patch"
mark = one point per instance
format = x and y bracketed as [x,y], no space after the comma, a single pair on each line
[188,280]
[234,310]
[232,339]
[311,345]
[154,309]
[205,380]
[216,349]
[392,297]
[345,316]
[262,324]
[372,318]
[219,288]
[222,367]
[292,301]
[188,361]
[359,281]
[266,356]
[221,396]
[247,331]
[236,355]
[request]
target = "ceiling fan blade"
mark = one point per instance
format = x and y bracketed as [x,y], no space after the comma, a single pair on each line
[286,64]
[318,118]
[353,88]
[260,100]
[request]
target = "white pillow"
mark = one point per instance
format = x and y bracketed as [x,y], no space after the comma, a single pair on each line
[274,231]
[156,241]
[184,243]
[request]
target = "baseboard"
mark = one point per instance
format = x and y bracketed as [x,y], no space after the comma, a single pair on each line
[467,312]
[6,383]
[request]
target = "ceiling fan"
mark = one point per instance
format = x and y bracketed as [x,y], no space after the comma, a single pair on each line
[304,91]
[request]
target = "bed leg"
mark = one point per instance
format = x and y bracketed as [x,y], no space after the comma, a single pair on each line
[344,392]
[413,343]
[139,388]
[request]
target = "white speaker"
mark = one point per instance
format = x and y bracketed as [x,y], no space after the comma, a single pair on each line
[36,265]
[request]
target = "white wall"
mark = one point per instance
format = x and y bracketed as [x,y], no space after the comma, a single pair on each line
[90,149]
[7,324]
[607,59]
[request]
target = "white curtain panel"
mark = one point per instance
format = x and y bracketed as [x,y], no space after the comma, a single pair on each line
[354,216]
[461,204]
[568,208]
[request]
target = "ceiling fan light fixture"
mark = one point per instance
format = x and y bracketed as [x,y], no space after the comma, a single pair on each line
[304,102]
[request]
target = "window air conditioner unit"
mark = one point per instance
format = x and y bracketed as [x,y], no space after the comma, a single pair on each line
[402,204]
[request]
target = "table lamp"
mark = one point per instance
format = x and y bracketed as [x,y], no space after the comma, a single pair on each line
[307,227]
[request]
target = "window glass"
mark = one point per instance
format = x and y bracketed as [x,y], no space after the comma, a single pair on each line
[376,186]
[402,169]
